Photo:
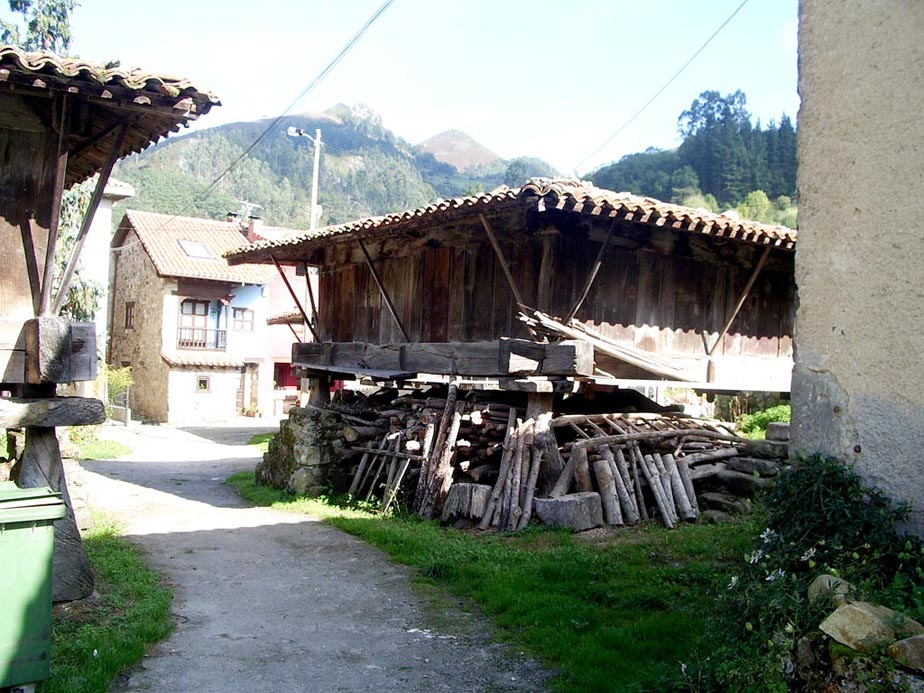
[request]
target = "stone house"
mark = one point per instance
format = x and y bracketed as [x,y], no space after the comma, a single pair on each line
[194,329]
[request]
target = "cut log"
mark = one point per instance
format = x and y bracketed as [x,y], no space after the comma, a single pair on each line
[441,473]
[563,484]
[654,483]
[627,504]
[536,463]
[684,506]
[509,446]
[687,481]
[666,488]
[607,484]
[581,470]
[51,412]
[465,501]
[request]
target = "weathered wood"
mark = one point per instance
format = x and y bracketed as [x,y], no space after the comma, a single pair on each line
[509,447]
[687,482]
[592,275]
[709,456]
[51,412]
[656,435]
[667,490]
[391,494]
[385,297]
[654,484]
[63,126]
[427,470]
[360,470]
[623,490]
[72,576]
[465,501]
[535,465]
[441,474]
[510,509]
[681,500]
[581,470]
[564,480]
[612,515]
[298,302]
[566,358]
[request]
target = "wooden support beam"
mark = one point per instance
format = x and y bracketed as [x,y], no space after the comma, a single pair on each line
[385,296]
[298,304]
[503,357]
[518,297]
[741,299]
[51,412]
[59,352]
[592,276]
[314,306]
[64,129]
[97,197]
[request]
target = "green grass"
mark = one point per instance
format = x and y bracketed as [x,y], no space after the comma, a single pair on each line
[262,440]
[93,643]
[100,449]
[620,615]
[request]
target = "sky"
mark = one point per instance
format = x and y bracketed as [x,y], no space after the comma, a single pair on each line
[547,78]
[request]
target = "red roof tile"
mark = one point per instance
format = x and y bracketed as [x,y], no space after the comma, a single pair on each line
[578,197]
[160,234]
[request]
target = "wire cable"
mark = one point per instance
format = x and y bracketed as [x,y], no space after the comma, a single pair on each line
[661,90]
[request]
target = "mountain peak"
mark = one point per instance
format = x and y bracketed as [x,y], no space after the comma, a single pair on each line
[456,148]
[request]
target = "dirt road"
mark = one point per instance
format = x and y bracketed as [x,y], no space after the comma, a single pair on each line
[272,601]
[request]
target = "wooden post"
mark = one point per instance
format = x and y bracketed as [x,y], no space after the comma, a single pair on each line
[101,182]
[72,576]
[517,296]
[298,304]
[64,131]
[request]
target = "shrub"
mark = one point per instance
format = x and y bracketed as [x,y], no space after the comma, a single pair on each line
[755,425]
[819,518]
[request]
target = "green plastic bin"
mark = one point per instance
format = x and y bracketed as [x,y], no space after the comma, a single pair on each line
[27,518]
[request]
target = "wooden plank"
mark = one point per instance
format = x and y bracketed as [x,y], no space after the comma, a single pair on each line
[48,349]
[12,366]
[51,412]
[457,296]
[524,357]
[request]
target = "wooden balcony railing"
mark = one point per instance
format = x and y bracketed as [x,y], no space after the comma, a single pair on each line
[201,338]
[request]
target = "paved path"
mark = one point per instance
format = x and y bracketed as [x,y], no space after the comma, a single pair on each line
[273,601]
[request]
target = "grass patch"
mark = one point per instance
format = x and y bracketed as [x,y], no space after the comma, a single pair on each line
[617,615]
[261,440]
[100,449]
[93,643]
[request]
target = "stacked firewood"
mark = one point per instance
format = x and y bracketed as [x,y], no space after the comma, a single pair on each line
[460,455]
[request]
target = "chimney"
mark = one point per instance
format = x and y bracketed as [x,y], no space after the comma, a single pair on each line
[254,222]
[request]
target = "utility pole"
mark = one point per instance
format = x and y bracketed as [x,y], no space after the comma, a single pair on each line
[315,169]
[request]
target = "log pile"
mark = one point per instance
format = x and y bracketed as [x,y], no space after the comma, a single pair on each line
[453,454]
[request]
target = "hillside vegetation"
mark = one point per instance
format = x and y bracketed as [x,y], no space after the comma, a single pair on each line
[725,162]
[365,169]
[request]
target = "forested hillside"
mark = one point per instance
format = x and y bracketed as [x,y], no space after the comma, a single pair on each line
[365,169]
[725,161]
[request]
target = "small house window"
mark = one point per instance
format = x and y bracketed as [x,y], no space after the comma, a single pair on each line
[130,315]
[202,383]
[243,319]
[196,249]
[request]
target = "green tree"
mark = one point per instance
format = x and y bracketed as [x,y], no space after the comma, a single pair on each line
[757,207]
[515,175]
[45,25]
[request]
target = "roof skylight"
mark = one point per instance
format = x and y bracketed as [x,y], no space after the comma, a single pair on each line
[196,249]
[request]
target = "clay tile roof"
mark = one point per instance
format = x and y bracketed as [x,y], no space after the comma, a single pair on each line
[576,197]
[160,234]
[292,317]
[200,360]
[154,104]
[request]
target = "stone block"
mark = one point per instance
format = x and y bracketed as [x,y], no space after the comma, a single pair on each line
[754,465]
[828,586]
[577,511]
[778,431]
[863,626]
[909,652]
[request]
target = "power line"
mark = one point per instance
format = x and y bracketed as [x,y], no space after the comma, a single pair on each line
[315,82]
[661,90]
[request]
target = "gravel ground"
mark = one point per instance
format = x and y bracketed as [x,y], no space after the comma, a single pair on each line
[272,601]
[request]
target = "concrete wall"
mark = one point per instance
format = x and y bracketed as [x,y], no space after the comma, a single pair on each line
[858,383]
[189,403]
[133,278]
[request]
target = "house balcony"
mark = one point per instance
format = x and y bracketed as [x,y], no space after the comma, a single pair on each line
[201,338]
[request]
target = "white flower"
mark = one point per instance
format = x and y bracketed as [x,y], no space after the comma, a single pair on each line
[775,575]
[733,582]
[767,535]
[756,556]
[808,554]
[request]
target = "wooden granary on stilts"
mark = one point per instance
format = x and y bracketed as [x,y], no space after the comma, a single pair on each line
[62,120]
[557,290]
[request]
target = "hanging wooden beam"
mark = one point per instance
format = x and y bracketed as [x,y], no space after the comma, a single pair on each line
[298,304]
[517,296]
[385,296]
[64,129]
[592,276]
[97,197]
[741,299]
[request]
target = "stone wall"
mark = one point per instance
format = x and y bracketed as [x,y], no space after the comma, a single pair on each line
[305,456]
[858,383]
[133,278]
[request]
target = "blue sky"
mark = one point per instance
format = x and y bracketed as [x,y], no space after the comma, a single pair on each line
[546,78]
